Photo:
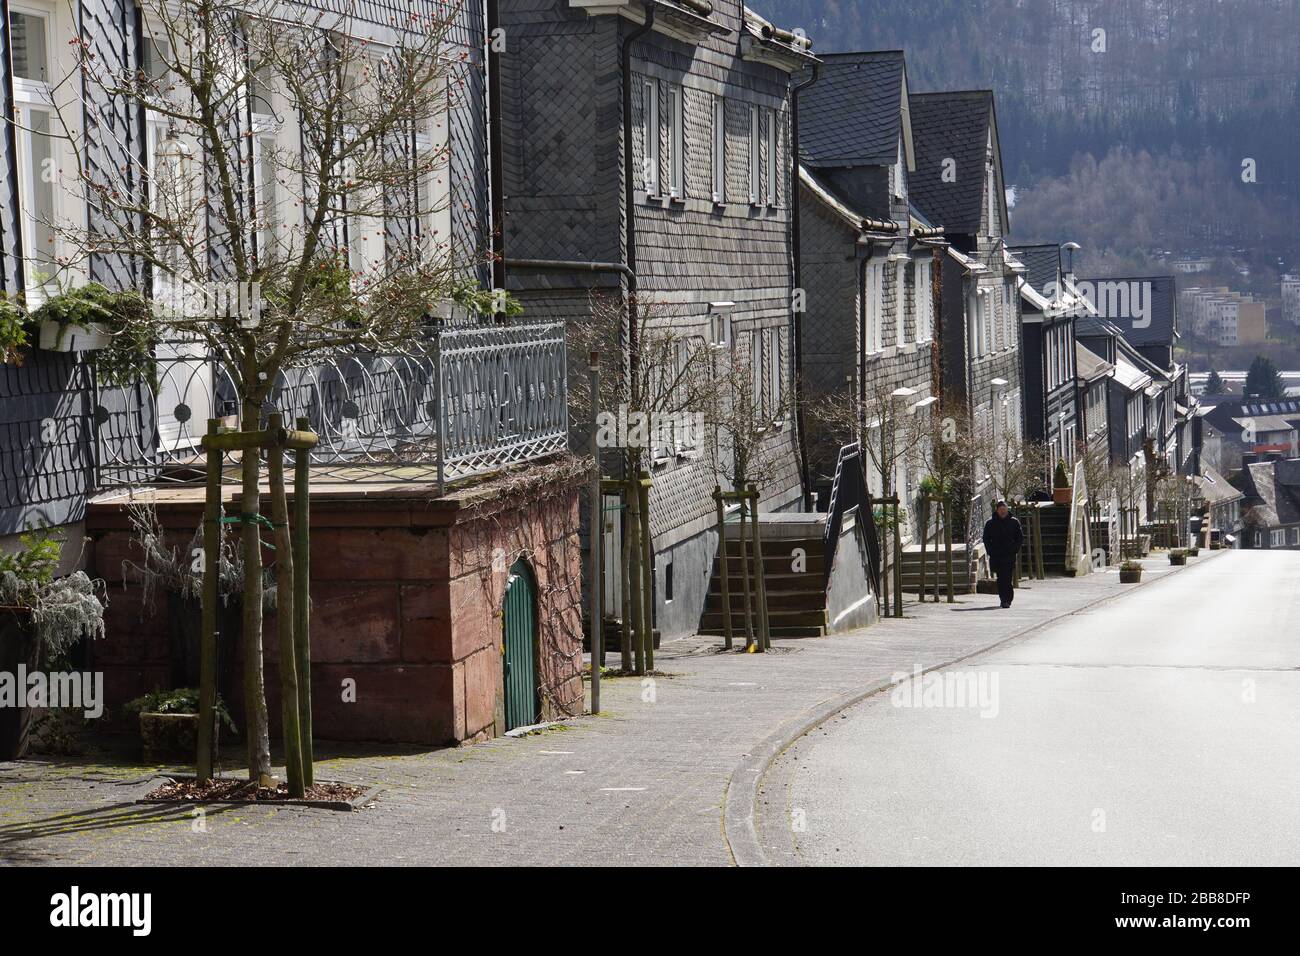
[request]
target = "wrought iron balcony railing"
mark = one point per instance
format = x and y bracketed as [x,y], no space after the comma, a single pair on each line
[471,400]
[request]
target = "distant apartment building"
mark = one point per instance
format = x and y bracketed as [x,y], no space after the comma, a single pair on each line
[1242,323]
[1224,317]
[1291,298]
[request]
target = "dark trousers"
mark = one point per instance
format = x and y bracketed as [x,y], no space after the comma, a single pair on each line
[1005,570]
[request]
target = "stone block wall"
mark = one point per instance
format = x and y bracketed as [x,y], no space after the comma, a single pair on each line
[407,593]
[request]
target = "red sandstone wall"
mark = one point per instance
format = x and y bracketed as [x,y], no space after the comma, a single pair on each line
[406,603]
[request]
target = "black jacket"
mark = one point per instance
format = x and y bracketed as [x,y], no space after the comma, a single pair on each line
[1003,537]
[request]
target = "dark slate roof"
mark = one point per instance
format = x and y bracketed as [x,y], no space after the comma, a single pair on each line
[1215,488]
[1089,364]
[1273,502]
[1163,294]
[852,115]
[1042,266]
[950,126]
[1223,415]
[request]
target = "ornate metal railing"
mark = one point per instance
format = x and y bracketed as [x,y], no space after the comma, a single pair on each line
[467,402]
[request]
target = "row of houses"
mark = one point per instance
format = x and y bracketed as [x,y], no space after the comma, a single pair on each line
[842,235]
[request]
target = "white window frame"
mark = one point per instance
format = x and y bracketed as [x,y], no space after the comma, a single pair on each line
[772,165]
[900,303]
[755,172]
[777,392]
[923,298]
[874,304]
[676,141]
[719,149]
[650,135]
[28,96]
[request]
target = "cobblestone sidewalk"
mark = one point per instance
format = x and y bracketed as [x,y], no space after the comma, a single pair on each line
[642,784]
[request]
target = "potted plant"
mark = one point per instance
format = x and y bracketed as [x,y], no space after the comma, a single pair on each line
[92,317]
[1062,493]
[1194,551]
[169,723]
[41,617]
[1178,557]
[13,332]
[1130,572]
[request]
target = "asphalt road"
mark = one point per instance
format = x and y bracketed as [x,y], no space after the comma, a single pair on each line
[1161,728]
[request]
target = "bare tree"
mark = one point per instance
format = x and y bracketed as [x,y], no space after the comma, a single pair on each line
[323,227]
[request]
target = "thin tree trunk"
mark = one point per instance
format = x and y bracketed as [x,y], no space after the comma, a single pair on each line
[765,628]
[634,573]
[255,720]
[647,571]
[211,597]
[744,573]
[725,569]
[284,617]
[624,559]
[302,601]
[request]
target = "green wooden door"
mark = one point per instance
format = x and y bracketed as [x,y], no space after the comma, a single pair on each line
[520,647]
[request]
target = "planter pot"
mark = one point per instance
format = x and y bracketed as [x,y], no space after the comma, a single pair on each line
[1193,552]
[73,338]
[1178,559]
[18,646]
[1062,496]
[173,737]
[1129,577]
[184,635]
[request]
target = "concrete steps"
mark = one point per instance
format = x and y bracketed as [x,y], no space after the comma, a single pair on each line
[796,588]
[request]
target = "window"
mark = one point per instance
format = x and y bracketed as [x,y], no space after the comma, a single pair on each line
[774,373]
[668,582]
[266,131]
[900,302]
[875,306]
[755,179]
[924,297]
[987,320]
[772,165]
[676,166]
[719,149]
[1278,539]
[757,380]
[34,123]
[650,136]
[896,174]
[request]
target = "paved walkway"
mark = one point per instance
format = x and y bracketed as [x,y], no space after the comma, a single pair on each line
[643,784]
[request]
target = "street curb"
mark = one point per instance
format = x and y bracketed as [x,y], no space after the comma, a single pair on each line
[740,802]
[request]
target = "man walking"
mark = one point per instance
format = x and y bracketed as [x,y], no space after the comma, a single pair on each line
[1002,540]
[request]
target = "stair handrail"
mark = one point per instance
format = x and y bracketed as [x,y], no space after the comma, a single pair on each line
[848,492]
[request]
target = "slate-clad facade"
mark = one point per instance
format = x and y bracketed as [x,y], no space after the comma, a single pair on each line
[958,185]
[870,326]
[1047,317]
[699,248]
[48,413]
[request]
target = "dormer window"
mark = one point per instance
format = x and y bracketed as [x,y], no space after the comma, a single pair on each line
[896,175]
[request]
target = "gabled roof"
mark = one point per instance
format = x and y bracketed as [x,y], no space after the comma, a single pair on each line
[1042,267]
[855,113]
[1129,375]
[1159,295]
[1214,488]
[1272,501]
[1089,365]
[953,126]
[836,204]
